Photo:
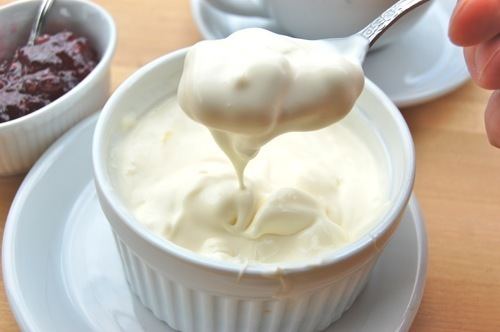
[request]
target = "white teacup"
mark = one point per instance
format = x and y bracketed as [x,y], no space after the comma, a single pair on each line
[318,19]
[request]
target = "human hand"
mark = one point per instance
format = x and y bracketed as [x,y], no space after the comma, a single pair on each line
[475,25]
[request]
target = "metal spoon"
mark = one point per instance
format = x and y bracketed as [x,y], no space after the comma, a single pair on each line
[39,21]
[357,45]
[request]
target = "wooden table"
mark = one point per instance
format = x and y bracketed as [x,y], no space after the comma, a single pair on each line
[458,177]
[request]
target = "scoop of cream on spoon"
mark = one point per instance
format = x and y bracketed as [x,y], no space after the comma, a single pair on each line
[255,85]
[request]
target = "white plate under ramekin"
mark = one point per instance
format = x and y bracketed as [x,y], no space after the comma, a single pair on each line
[194,293]
[23,140]
[62,270]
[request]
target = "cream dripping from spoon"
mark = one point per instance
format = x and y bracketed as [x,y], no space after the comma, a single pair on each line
[255,85]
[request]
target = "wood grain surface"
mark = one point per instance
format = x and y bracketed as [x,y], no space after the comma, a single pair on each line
[458,177]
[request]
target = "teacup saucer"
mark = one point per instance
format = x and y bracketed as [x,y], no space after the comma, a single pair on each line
[62,271]
[420,67]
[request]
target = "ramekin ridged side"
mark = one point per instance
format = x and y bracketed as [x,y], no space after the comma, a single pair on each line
[23,140]
[198,309]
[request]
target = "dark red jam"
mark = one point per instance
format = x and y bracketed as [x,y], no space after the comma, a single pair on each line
[39,74]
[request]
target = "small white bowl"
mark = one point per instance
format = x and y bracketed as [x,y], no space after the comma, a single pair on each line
[194,293]
[23,140]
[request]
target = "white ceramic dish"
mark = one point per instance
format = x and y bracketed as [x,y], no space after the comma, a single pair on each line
[23,140]
[423,66]
[212,295]
[62,272]
[317,19]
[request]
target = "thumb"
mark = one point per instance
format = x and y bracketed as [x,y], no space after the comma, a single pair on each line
[492,119]
[474,21]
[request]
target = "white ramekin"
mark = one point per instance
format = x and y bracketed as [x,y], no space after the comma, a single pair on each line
[193,293]
[23,140]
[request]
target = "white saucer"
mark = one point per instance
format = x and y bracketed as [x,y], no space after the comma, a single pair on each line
[422,66]
[62,271]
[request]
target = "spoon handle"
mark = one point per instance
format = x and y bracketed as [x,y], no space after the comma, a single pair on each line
[39,21]
[378,26]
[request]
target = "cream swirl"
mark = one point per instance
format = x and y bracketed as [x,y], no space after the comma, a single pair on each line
[306,194]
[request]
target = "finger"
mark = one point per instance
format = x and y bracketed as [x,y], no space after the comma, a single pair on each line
[474,21]
[483,62]
[492,119]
